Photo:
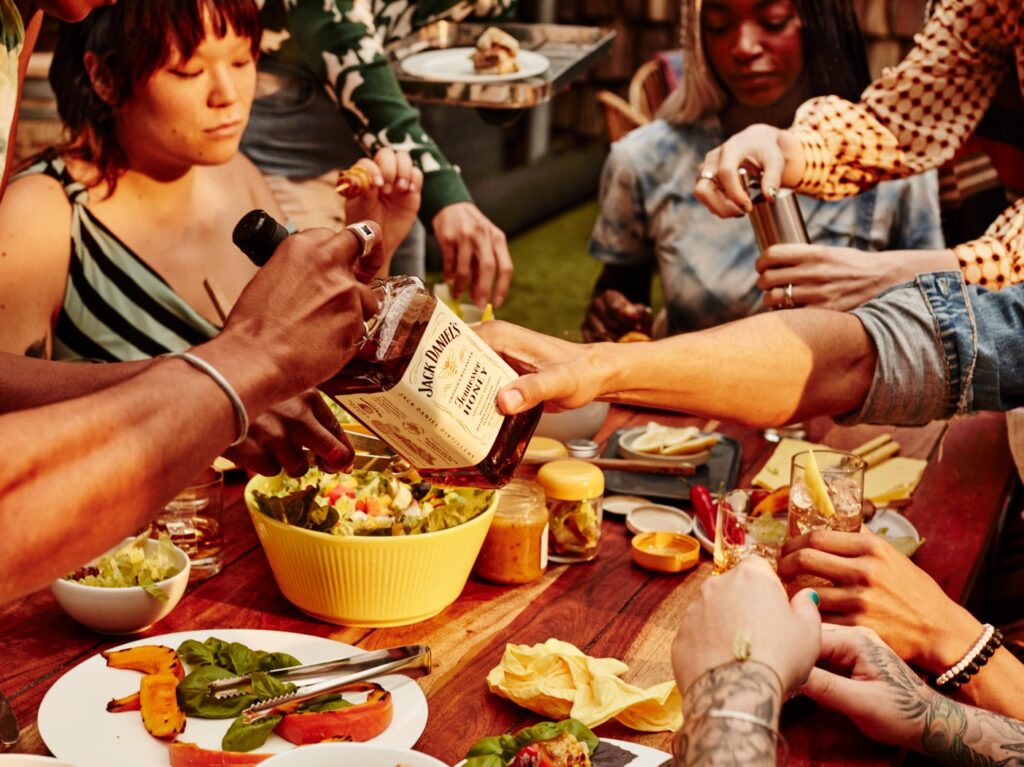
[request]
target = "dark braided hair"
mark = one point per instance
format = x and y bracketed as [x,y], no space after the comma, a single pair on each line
[134,39]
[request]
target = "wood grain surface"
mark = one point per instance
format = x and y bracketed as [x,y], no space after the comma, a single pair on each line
[607,608]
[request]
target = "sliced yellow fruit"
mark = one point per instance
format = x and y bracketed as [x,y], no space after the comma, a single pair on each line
[817,488]
[652,438]
[690,446]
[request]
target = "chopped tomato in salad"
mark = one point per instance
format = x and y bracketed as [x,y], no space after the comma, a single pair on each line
[368,503]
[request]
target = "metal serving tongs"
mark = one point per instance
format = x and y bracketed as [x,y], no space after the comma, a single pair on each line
[374,454]
[330,676]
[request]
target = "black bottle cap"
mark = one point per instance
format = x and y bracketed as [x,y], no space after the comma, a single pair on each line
[257,235]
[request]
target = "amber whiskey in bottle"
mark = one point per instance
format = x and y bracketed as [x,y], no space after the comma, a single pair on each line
[427,385]
[424,382]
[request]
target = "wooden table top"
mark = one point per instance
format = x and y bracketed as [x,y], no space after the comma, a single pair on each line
[607,608]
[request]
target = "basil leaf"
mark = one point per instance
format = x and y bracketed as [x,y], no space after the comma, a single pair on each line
[195,699]
[195,653]
[242,659]
[242,736]
[271,661]
[331,701]
[487,760]
[265,686]
[500,751]
[292,508]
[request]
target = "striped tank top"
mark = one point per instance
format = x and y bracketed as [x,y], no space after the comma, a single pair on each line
[116,307]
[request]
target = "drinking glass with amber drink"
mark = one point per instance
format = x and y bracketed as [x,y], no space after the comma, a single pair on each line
[749,523]
[826,492]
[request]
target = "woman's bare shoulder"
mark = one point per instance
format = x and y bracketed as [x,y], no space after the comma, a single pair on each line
[35,217]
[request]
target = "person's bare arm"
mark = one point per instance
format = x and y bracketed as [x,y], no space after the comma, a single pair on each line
[764,370]
[76,477]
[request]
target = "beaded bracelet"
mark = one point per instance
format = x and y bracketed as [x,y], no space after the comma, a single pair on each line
[241,415]
[960,673]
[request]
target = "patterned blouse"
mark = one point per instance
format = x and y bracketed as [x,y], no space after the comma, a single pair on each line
[918,114]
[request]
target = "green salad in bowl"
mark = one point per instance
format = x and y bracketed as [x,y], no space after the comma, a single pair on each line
[367,503]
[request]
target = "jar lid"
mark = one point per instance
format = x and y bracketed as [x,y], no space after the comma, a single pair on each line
[570,480]
[582,448]
[545,447]
[520,498]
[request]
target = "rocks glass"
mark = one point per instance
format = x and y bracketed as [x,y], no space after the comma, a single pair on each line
[742,532]
[195,521]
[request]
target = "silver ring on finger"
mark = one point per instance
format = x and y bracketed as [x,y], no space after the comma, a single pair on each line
[787,302]
[365,234]
[707,175]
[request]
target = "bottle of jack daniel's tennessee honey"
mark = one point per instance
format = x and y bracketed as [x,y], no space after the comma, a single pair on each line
[422,380]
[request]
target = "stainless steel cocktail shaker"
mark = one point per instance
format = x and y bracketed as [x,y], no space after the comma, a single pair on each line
[774,221]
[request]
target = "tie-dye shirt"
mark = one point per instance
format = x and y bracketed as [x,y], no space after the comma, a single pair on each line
[341,42]
[650,216]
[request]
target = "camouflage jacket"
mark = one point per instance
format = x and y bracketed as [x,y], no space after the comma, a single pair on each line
[342,43]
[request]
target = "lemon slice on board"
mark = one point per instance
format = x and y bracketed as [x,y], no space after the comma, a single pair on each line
[689,446]
[651,439]
[817,488]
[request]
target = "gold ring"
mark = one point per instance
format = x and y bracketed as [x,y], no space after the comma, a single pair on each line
[707,175]
[788,303]
[365,234]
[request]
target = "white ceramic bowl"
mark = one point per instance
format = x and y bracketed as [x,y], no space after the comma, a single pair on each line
[578,423]
[354,754]
[31,760]
[122,610]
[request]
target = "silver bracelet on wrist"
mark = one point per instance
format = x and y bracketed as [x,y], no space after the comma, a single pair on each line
[728,713]
[241,415]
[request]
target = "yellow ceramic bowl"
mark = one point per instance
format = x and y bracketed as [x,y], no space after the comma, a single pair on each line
[368,580]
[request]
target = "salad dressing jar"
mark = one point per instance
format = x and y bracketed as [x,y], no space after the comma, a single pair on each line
[575,492]
[516,548]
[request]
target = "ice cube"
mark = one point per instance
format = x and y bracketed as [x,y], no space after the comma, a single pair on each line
[800,496]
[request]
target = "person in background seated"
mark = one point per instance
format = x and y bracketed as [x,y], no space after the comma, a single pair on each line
[110,240]
[731,704]
[325,80]
[96,467]
[743,62]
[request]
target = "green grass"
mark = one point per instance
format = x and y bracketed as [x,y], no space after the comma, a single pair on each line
[554,275]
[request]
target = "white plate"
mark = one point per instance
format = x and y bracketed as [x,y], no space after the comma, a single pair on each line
[708,544]
[895,524]
[455,65]
[623,504]
[356,754]
[655,518]
[645,755]
[75,725]
[626,450]
[30,760]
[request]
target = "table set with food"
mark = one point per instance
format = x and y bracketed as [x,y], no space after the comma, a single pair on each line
[381,617]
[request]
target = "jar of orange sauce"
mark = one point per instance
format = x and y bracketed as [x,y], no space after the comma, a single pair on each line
[516,548]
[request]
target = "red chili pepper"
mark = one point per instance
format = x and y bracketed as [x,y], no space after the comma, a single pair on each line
[530,756]
[704,507]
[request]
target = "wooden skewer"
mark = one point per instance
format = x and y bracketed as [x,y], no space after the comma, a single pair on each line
[217,299]
[681,469]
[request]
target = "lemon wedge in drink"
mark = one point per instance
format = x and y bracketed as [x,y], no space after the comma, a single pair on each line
[488,314]
[816,487]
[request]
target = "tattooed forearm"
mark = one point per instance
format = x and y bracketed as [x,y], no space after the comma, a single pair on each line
[959,734]
[748,687]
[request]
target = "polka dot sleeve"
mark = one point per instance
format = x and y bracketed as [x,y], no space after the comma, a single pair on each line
[917,115]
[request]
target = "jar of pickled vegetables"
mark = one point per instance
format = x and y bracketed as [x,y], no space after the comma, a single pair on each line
[575,491]
[516,548]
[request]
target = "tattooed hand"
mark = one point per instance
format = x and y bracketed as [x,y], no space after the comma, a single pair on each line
[879,692]
[748,601]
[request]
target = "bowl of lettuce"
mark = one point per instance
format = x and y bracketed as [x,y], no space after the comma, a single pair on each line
[365,548]
[128,589]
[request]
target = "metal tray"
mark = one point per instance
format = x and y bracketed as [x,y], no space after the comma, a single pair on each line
[722,466]
[572,50]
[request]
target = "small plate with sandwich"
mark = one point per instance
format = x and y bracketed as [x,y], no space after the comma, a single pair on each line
[497,57]
[674,444]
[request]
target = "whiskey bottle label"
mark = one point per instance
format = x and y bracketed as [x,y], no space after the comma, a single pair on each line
[443,414]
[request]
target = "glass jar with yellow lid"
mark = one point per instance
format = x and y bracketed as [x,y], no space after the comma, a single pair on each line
[575,491]
[516,548]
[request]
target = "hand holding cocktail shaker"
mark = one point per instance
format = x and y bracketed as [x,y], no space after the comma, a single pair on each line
[774,221]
